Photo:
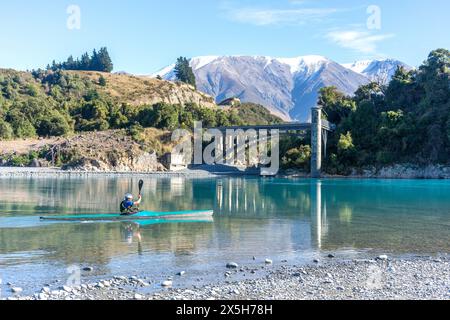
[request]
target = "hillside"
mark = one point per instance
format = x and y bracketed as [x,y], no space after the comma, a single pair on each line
[56,103]
[102,121]
[139,91]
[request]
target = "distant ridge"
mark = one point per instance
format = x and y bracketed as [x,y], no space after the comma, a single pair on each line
[287,87]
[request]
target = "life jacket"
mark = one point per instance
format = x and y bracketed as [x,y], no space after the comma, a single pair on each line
[126,206]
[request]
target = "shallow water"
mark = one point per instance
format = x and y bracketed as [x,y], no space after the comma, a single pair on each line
[281,219]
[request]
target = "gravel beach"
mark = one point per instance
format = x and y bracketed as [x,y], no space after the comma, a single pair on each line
[424,278]
[201,173]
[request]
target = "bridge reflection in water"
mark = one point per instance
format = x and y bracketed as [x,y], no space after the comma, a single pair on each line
[242,198]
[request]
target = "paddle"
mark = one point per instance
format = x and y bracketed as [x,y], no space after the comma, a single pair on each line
[141,184]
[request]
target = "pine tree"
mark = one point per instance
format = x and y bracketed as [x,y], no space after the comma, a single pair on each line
[102,81]
[95,62]
[104,60]
[69,64]
[85,63]
[184,73]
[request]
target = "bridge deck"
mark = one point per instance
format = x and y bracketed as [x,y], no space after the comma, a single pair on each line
[292,126]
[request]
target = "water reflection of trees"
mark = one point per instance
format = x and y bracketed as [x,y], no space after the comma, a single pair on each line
[338,215]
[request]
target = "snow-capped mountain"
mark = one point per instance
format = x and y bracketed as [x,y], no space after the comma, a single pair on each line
[288,87]
[377,70]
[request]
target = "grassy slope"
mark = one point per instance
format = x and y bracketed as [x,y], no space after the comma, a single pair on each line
[136,90]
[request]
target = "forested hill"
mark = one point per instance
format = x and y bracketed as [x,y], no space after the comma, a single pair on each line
[406,121]
[57,103]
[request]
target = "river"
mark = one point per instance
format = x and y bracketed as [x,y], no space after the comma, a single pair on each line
[291,220]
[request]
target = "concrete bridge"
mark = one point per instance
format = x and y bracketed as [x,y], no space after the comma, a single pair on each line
[319,135]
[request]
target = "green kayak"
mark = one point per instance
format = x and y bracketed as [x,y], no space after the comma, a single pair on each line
[143,215]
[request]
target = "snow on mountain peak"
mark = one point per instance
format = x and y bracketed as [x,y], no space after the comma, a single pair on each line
[376,70]
[298,64]
[358,66]
[199,62]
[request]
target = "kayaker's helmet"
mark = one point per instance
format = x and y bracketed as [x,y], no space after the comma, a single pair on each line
[128,196]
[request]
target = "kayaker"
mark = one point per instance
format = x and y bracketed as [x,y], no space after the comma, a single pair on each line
[128,206]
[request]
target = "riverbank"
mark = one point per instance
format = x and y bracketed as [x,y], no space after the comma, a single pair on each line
[28,172]
[383,278]
[406,171]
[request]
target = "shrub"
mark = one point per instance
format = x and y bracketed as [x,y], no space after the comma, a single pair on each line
[55,125]
[6,131]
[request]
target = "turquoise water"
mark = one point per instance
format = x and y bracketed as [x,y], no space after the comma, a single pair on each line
[281,219]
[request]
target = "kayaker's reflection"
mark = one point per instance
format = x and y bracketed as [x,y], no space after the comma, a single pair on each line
[132,233]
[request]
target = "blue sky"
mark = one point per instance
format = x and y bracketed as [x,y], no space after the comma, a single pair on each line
[146,35]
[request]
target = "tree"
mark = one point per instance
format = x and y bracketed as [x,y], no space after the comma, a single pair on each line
[94,62]
[184,73]
[335,104]
[54,125]
[102,81]
[6,131]
[104,61]
[85,63]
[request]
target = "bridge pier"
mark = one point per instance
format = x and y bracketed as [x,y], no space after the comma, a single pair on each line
[316,142]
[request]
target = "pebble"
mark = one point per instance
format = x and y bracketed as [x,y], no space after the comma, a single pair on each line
[268,261]
[316,261]
[167,283]
[181,273]
[232,265]
[88,269]
[137,296]
[66,289]
[331,256]
[382,257]
[16,290]
[42,296]
[45,290]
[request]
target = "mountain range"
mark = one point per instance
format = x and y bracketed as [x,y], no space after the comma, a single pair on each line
[288,87]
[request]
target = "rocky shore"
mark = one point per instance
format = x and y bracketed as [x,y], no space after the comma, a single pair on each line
[26,172]
[405,171]
[382,278]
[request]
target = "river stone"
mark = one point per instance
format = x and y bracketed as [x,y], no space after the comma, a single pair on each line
[17,290]
[42,296]
[232,265]
[88,269]
[66,289]
[46,290]
[181,273]
[167,283]
[382,257]
[331,256]
[268,261]
[137,296]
